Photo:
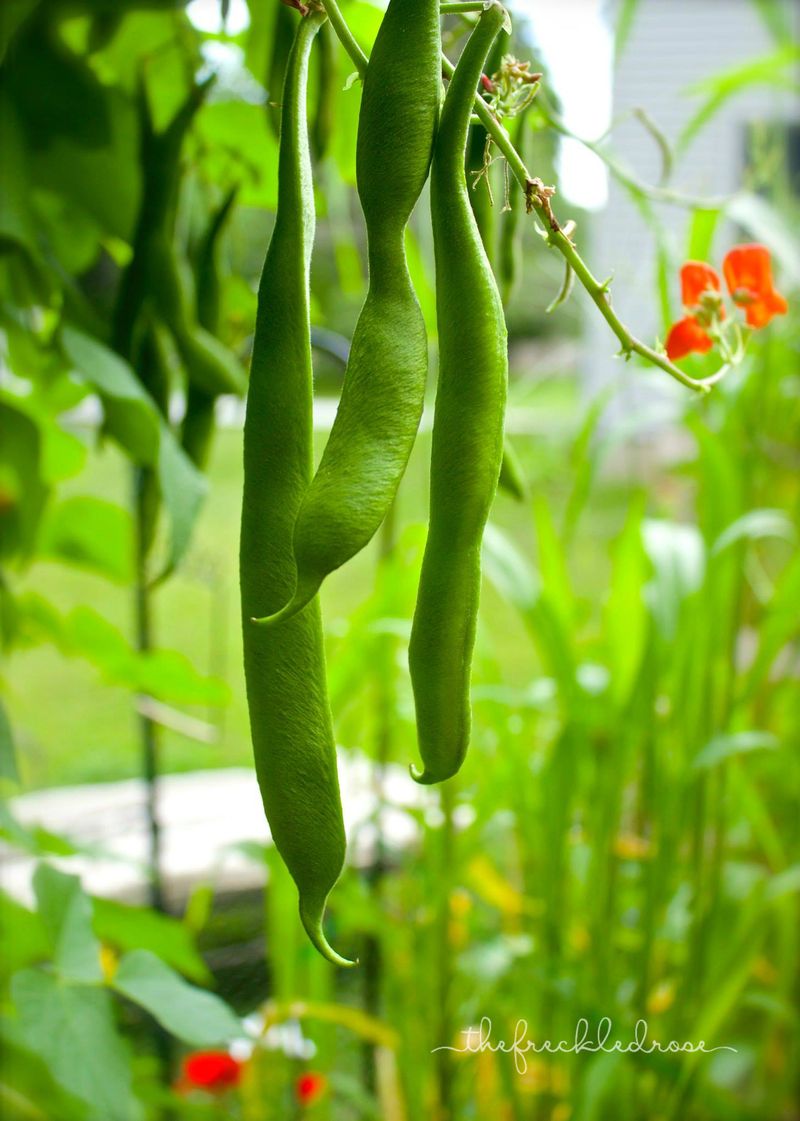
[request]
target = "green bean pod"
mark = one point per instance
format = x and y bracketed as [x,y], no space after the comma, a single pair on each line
[290,718]
[384,383]
[467,442]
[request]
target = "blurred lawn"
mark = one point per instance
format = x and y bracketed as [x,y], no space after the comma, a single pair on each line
[75,728]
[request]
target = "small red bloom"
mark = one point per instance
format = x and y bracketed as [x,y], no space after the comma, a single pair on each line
[697,278]
[685,337]
[487,83]
[748,274]
[214,1071]
[310,1087]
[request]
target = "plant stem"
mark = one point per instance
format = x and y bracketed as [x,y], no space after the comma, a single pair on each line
[458,9]
[345,36]
[148,729]
[536,199]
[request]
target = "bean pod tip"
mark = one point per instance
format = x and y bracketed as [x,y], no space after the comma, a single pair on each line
[311,918]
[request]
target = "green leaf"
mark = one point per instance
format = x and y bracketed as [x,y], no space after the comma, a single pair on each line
[72,1028]
[520,584]
[131,414]
[754,526]
[765,224]
[236,137]
[40,65]
[16,219]
[8,756]
[677,555]
[552,561]
[91,533]
[702,228]
[776,16]
[25,940]
[735,743]
[22,491]
[103,183]
[14,15]
[626,614]
[66,913]
[183,489]
[134,420]
[165,674]
[624,25]
[776,69]
[199,1018]
[128,928]
[28,1091]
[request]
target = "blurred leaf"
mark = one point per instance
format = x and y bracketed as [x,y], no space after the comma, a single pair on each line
[22,491]
[781,625]
[702,228]
[103,183]
[25,940]
[768,225]
[552,560]
[131,415]
[776,69]
[753,526]
[626,613]
[422,281]
[17,224]
[28,1091]
[520,584]
[127,928]
[776,16]
[623,24]
[134,420]
[14,15]
[8,756]
[199,1018]
[183,489]
[34,840]
[677,555]
[72,1028]
[235,137]
[41,63]
[90,533]
[722,747]
[66,913]
[165,674]
[784,883]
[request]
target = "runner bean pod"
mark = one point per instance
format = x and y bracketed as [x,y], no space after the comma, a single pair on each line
[290,718]
[467,443]
[384,384]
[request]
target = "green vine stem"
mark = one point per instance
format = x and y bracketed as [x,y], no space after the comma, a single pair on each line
[537,198]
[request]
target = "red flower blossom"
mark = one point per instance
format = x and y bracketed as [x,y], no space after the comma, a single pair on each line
[213,1071]
[685,337]
[310,1087]
[696,278]
[748,274]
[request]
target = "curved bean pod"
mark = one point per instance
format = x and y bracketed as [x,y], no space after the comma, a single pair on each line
[467,443]
[290,718]
[384,383]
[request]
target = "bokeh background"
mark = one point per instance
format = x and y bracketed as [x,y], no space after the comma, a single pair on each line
[623,839]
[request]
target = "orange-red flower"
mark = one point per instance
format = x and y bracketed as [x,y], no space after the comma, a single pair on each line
[685,337]
[748,274]
[213,1071]
[310,1087]
[697,278]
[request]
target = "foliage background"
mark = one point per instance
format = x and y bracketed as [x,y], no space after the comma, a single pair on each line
[623,840]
